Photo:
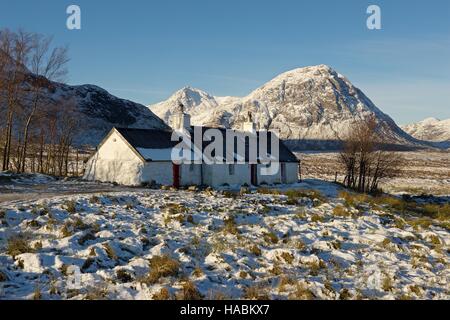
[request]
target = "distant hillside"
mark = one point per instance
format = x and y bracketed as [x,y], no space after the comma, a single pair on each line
[430,129]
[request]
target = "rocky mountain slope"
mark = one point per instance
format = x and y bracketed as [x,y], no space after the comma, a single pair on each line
[95,110]
[311,107]
[99,111]
[430,129]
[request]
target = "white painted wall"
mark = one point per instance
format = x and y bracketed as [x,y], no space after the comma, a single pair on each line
[268,179]
[217,175]
[291,174]
[191,175]
[114,162]
[160,172]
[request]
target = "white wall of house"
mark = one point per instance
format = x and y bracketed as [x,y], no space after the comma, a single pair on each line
[191,175]
[217,175]
[292,172]
[268,179]
[159,172]
[162,173]
[115,161]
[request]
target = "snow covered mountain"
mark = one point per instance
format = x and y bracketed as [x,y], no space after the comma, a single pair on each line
[311,107]
[99,111]
[430,129]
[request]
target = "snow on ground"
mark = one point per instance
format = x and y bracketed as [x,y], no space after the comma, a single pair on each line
[161,244]
[12,178]
[19,187]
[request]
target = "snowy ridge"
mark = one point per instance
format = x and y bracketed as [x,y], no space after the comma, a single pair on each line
[430,129]
[100,111]
[314,104]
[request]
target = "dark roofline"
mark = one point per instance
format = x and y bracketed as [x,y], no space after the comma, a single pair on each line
[161,139]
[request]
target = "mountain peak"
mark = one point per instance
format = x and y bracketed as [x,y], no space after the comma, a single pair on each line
[304,74]
[311,105]
[318,69]
[430,120]
[192,98]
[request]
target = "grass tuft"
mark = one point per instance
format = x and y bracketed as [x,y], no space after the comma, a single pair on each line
[161,267]
[18,245]
[189,292]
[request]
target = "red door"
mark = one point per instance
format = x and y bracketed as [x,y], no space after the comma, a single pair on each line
[254,173]
[176,176]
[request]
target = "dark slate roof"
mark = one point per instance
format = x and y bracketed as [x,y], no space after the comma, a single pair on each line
[161,139]
[148,138]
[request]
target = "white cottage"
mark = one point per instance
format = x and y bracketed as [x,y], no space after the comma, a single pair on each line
[138,156]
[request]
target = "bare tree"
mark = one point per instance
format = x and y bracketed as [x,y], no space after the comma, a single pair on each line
[15,48]
[29,67]
[364,160]
[46,65]
[58,128]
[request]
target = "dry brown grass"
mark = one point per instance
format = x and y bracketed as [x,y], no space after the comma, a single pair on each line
[388,283]
[288,257]
[123,276]
[255,250]
[345,294]
[18,245]
[354,199]
[161,267]
[317,218]
[302,293]
[341,211]
[270,237]
[257,292]
[230,226]
[189,292]
[110,251]
[198,272]
[99,292]
[70,206]
[285,281]
[314,195]
[163,294]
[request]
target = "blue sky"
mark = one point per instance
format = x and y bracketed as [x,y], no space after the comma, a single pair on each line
[145,50]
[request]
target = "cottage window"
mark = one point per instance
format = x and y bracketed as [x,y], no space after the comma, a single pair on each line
[231,169]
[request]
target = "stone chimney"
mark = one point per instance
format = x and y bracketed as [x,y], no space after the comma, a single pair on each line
[249,125]
[180,120]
